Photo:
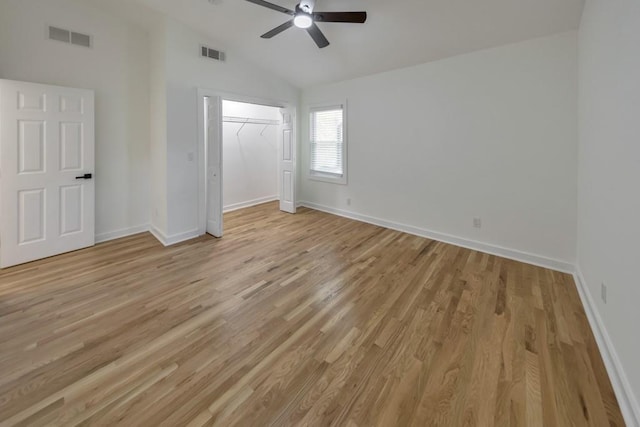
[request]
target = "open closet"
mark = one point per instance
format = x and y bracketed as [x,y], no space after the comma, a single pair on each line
[250,147]
[247,156]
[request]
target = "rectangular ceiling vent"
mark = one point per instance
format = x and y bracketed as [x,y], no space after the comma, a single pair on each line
[68,36]
[207,52]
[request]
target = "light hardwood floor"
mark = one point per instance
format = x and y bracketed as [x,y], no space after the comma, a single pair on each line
[306,319]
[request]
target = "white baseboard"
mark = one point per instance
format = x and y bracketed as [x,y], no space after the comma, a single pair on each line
[626,398]
[541,261]
[249,203]
[124,232]
[175,238]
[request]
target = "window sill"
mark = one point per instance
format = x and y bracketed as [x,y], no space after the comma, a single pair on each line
[328,178]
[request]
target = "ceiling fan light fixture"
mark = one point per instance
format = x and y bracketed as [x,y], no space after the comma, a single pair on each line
[302,20]
[304,17]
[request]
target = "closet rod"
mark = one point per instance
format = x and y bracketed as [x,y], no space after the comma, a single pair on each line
[249,120]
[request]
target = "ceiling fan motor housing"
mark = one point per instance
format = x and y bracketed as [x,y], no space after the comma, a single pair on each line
[307,6]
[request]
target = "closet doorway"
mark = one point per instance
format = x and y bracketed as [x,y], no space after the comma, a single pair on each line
[250,160]
[247,156]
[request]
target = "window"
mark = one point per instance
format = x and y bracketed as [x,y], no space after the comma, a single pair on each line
[328,148]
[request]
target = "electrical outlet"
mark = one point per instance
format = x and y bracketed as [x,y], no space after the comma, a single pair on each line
[603,292]
[477,222]
[349,202]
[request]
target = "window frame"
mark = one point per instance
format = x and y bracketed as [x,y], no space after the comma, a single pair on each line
[325,176]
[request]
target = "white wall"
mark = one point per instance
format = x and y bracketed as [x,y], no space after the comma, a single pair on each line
[158,126]
[609,171]
[490,134]
[186,72]
[116,68]
[250,155]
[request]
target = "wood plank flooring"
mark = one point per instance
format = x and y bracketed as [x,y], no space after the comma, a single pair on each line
[307,319]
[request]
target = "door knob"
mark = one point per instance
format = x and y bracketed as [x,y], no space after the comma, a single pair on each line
[85,176]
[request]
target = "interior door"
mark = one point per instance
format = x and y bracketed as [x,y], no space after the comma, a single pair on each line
[46,168]
[213,153]
[287,161]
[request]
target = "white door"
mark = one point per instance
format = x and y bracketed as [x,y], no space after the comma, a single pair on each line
[46,167]
[213,155]
[287,162]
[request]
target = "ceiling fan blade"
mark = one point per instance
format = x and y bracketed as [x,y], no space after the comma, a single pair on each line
[317,36]
[272,6]
[351,17]
[277,30]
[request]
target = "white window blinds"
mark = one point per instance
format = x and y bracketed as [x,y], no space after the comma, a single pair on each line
[327,142]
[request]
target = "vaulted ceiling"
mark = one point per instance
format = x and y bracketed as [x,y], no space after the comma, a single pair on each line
[397,33]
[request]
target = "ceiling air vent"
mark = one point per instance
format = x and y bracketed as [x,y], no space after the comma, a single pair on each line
[71,37]
[207,52]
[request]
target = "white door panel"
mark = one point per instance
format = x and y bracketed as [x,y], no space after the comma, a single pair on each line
[31,146]
[70,103]
[71,144]
[71,209]
[286,145]
[287,162]
[46,148]
[31,215]
[31,99]
[213,155]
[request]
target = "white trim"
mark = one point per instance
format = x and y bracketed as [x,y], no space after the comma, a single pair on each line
[541,261]
[124,232]
[624,393]
[174,239]
[249,203]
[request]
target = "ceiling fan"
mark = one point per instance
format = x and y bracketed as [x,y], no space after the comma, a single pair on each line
[304,17]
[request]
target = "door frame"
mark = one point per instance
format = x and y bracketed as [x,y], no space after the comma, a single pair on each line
[203,93]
